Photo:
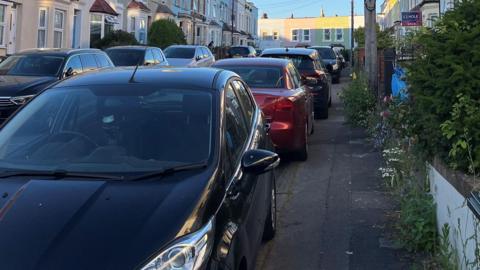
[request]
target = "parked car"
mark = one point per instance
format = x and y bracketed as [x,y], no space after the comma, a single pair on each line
[241,51]
[189,56]
[331,61]
[124,56]
[170,170]
[25,74]
[309,65]
[286,102]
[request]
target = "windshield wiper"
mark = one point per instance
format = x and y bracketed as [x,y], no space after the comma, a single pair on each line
[58,174]
[171,170]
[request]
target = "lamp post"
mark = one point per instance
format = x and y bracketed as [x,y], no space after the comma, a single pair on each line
[371,44]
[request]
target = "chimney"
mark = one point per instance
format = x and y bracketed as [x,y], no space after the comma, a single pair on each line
[265,16]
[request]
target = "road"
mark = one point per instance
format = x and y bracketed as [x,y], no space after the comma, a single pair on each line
[333,212]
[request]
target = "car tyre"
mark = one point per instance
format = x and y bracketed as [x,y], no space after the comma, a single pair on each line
[302,154]
[271,220]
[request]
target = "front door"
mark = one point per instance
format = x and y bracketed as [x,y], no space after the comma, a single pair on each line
[76,29]
[12,27]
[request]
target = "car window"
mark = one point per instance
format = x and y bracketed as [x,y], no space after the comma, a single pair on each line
[258,76]
[239,51]
[295,76]
[100,128]
[207,52]
[301,62]
[246,102]
[125,57]
[179,52]
[88,62]
[74,63]
[32,65]
[235,129]
[149,58]
[326,53]
[102,60]
[157,55]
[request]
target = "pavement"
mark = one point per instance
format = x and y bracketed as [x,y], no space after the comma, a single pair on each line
[333,210]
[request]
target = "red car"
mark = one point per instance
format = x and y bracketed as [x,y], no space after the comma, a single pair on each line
[285,100]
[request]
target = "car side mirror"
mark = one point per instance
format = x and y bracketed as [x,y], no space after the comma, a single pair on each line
[259,161]
[198,58]
[69,72]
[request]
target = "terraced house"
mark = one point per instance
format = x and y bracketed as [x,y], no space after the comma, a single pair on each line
[80,23]
[310,31]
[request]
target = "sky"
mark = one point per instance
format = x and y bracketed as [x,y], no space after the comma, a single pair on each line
[308,8]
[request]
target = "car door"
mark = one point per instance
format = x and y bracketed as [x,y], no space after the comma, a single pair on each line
[305,103]
[243,189]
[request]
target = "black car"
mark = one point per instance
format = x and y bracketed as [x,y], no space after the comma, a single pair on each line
[331,61]
[308,63]
[241,51]
[166,169]
[25,74]
[124,56]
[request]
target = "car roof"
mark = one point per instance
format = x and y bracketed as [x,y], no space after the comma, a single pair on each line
[320,47]
[187,46]
[291,51]
[188,78]
[260,61]
[59,52]
[131,47]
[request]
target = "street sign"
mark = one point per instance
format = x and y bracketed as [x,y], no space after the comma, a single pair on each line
[413,18]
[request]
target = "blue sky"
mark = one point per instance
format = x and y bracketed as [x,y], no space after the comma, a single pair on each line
[308,8]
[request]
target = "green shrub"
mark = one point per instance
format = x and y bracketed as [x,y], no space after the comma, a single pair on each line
[359,102]
[417,224]
[444,82]
[164,33]
[116,38]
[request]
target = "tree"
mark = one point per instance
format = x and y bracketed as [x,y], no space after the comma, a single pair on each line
[164,33]
[384,38]
[116,38]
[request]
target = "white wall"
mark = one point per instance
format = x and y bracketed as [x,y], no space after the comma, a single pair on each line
[452,209]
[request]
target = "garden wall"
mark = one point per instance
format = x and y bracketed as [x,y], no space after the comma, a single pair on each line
[450,190]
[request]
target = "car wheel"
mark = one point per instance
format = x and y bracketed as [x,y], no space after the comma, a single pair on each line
[302,154]
[271,221]
[312,130]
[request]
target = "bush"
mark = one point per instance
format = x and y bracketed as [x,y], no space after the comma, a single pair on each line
[116,38]
[444,81]
[164,33]
[359,102]
[417,224]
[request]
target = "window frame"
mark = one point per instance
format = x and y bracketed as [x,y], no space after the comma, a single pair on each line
[325,34]
[43,28]
[275,35]
[297,36]
[337,32]
[303,35]
[59,30]
[3,26]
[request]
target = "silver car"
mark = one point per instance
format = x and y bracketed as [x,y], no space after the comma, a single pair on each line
[189,56]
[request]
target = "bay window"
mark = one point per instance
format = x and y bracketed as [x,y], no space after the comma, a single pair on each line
[58,28]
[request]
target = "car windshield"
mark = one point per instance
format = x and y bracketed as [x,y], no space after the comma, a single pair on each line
[178,52]
[109,129]
[259,77]
[126,57]
[32,65]
[301,62]
[326,53]
[241,51]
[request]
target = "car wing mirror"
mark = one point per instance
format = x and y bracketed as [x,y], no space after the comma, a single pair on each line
[259,161]
[198,58]
[70,72]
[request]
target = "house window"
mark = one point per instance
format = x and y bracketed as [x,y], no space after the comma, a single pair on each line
[2,25]
[142,36]
[339,34]
[96,21]
[132,25]
[275,35]
[42,28]
[306,35]
[58,27]
[327,35]
[295,35]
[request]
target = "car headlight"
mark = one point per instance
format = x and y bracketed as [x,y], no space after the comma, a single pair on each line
[20,100]
[190,252]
